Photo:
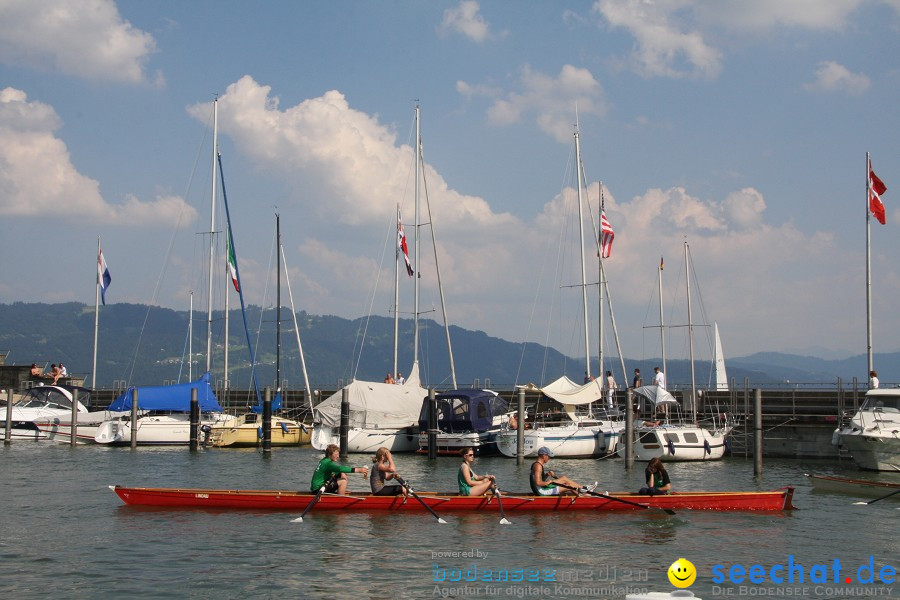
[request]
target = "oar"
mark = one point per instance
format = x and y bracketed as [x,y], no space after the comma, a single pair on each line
[310,505]
[416,496]
[879,498]
[668,511]
[503,519]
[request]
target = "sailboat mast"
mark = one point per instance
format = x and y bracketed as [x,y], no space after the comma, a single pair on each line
[96,318]
[416,301]
[600,275]
[191,341]
[278,307]
[397,251]
[584,302]
[869,357]
[687,279]
[297,331]
[662,324]
[212,243]
[225,382]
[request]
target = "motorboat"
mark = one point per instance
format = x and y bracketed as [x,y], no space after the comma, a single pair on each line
[668,435]
[578,425]
[873,434]
[465,418]
[43,403]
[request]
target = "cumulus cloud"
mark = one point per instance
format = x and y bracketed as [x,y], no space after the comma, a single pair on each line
[85,39]
[466,20]
[553,100]
[331,151]
[834,77]
[663,49]
[37,177]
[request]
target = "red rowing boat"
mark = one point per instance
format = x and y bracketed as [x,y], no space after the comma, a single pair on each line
[286,500]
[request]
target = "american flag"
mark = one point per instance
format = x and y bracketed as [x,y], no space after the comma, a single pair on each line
[606,235]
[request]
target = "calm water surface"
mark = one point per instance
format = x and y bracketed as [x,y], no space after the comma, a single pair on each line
[63,532]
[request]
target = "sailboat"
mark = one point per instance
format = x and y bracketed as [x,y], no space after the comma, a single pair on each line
[245,430]
[385,414]
[574,428]
[666,431]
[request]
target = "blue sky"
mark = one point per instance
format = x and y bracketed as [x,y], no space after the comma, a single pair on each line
[739,127]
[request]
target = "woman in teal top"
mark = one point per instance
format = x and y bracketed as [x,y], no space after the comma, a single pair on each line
[332,475]
[471,484]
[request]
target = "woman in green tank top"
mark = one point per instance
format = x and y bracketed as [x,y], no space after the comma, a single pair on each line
[471,484]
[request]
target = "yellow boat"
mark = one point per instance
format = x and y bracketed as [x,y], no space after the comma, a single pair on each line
[245,431]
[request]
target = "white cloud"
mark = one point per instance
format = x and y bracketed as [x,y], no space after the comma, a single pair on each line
[86,39]
[332,151]
[663,49]
[37,177]
[766,14]
[834,77]
[466,20]
[553,100]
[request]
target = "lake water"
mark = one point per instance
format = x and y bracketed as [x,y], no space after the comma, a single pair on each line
[64,533]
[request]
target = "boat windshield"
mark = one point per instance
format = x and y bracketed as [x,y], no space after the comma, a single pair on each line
[882,403]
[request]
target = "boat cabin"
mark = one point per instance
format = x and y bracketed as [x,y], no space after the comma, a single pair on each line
[460,411]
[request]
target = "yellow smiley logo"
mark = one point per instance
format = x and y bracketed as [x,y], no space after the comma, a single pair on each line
[682,573]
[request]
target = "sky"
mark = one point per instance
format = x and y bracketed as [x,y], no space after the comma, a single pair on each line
[739,128]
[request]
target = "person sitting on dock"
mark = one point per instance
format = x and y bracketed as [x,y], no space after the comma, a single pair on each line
[37,372]
[331,474]
[400,379]
[657,479]
[471,484]
[389,378]
[544,482]
[382,470]
[55,373]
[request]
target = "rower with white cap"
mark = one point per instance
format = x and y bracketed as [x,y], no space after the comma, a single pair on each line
[544,482]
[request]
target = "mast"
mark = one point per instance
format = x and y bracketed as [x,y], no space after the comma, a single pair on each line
[416,228]
[191,341]
[587,351]
[278,307]
[96,318]
[662,324]
[869,357]
[600,275]
[212,243]
[297,331]
[397,252]
[225,335]
[687,279]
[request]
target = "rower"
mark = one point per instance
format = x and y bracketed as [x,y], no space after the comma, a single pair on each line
[544,482]
[331,474]
[469,483]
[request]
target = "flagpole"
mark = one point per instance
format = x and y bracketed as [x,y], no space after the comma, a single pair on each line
[397,252]
[212,241]
[96,318]
[869,356]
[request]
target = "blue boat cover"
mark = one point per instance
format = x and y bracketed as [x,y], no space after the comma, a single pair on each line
[170,397]
[464,410]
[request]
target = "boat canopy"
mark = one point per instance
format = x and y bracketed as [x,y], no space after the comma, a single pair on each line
[657,396]
[170,397]
[565,391]
[465,410]
[54,396]
[376,405]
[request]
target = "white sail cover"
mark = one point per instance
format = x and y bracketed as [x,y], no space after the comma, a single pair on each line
[656,395]
[719,359]
[376,405]
[566,391]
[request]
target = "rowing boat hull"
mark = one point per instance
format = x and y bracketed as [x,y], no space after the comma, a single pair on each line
[286,500]
[857,487]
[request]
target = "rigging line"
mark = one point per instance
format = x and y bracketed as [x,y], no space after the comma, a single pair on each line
[167,255]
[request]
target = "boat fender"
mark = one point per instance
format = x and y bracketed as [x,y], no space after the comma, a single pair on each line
[259,433]
[727,444]
[836,437]
[284,427]
[671,446]
[706,447]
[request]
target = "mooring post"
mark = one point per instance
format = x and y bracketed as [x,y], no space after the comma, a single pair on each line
[629,428]
[7,430]
[520,429]
[432,425]
[345,420]
[134,413]
[267,422]
[757,433]
[73,427]
[195,421]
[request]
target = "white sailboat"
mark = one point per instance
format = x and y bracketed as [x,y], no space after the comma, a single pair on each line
[385,414]
[575,428]
[667,432]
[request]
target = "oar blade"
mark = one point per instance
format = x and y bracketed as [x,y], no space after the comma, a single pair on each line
[297,520]
[442,521]
[505,521]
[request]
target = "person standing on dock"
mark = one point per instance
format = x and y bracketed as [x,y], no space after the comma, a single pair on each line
[638,381]
[873,380]
[659,378]
[611,386]
[331,474]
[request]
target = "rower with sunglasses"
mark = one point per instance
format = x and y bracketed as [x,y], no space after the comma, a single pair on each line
[471,484]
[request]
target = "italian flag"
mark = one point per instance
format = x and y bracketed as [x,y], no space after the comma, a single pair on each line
[232,266]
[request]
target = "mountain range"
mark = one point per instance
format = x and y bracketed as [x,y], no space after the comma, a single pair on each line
[148,346]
